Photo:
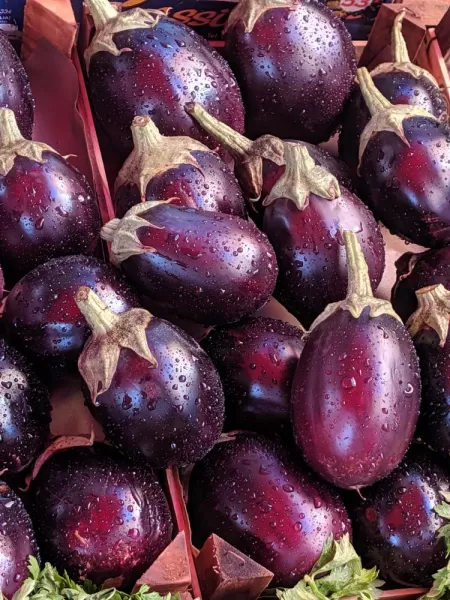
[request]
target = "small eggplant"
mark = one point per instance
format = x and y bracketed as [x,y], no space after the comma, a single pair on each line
[395,526]
[429,328]
[140,62]
[99,517]
[416,271]
[153,389]
[177,168]
[404,162]
[306,212]
[259,164]
[356,392]
[258,497]
[17,542]
[47,207]
[15,89]
[295,65]
[207,267]
[256,360]
[42,319]
[401,82]
[24,409]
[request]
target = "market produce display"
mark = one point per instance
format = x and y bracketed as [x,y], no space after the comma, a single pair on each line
[298,457]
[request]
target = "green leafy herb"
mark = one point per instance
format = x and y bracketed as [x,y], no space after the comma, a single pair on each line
[48,584]
[338,573]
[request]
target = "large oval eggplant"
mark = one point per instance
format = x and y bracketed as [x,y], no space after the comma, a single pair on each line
[42,319]
[210,268]
[17,542]
[152,388]
[356,392]
[401,82]
[177,168]
[256,360]
[395,526]
[47,207]
[416,271]
[25,411]
[140,62]
[15,89]
[257,497]
[404,164]
[306,212]
[99,517]
[295,65]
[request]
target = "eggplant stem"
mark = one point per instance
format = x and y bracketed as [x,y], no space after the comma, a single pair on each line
[399,50]
[146,136]
[99,317]
[9,130]
[358,272]
[109,229]
[433,312]
[375,100]
[102,11]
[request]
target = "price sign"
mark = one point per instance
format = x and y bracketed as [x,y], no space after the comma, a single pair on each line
[351,6]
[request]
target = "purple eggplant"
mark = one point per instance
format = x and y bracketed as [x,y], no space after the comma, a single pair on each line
[295,65]
[140,62]
[152,388]
[400,82]
[263,501]
[356,392]
[206,267]
[256,360]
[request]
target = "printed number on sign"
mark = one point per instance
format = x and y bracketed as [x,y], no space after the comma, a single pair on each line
[354,5]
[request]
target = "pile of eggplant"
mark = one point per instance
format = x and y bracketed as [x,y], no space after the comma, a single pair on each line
[317,450]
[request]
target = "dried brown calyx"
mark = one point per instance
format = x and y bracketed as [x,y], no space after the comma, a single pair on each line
[433,312]
[385,116]
[401,60]
[110,333]
[154,153]
[359,290]
[108,21]
[247,154]
[122,233]
[249,11]
[301,178]
[12,143]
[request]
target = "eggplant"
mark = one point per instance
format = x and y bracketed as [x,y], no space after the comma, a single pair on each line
[256,359]
[400,82]
[140,62]
[177,168]
[295,65]
[15,88]
[404,162]
[152,388]
[356,392]
[258,497]
[206,267]
[306,211]
[395,525]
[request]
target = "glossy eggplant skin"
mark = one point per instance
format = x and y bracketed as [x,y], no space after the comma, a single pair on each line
[311,252]
[416,271]
[17,541]
[256,360]
[207,267]
[98,516]
[46,210]
[15,89]
[212,187]
[24,408]
[170,415]
[395,526]
[257,497]
[163,68]
[295,70]
[399,87]
[408,186]
[355,398]
[42,319]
